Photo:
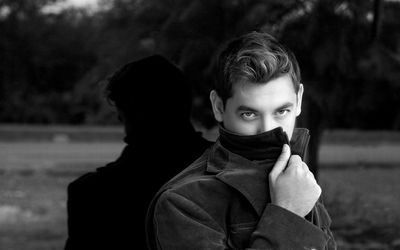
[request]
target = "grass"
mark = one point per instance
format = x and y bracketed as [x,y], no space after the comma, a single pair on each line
[32,211]
[363,204]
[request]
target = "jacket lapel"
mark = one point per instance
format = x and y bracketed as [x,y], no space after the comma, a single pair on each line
[250,178]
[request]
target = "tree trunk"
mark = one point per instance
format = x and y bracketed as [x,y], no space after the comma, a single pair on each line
[313,119]
[313,150]
[376,24]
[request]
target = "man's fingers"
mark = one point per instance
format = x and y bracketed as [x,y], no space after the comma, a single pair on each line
[295,161]
[281,162]
[305,167]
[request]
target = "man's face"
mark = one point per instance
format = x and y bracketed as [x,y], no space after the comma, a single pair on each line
[256,108]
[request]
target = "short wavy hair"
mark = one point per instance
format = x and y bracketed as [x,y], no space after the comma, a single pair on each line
[255,57]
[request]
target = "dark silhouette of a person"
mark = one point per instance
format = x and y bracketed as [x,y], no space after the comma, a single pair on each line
[107,208]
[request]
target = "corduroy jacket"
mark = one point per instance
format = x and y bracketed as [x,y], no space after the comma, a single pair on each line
[222,201]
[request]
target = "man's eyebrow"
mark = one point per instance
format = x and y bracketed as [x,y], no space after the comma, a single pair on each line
[246,108]
[285,106]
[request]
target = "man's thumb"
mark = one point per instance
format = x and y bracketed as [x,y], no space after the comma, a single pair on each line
[281,162]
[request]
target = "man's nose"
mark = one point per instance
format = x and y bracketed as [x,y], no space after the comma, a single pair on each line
[267,124]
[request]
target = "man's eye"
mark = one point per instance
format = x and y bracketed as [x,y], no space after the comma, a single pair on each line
[248,115]
[283,112]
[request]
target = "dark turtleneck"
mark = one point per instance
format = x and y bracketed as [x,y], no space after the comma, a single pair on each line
[267,145]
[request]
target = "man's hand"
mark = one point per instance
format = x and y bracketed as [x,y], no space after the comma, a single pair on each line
[295,187]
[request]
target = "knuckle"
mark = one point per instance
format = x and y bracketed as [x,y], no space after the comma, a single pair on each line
[319,190]
[294,171]
[300,170]
[295,158]
[296,161]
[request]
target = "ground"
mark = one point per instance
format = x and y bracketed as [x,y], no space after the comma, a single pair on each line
[364,205]
[362,193]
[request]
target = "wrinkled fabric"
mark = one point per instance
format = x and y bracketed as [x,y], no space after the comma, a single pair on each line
[222,201]
[267,145]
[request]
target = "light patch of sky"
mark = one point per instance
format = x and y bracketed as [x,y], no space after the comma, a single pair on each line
[82,3]
[90,5]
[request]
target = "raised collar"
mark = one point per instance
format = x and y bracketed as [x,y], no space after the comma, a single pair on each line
[267,145]
[250,177]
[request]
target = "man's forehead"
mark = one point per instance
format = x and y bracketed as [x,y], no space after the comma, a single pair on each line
[279,86]
[262,97]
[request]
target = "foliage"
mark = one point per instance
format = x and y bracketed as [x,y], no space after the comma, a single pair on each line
[52,63]
[347,75]
[41,58]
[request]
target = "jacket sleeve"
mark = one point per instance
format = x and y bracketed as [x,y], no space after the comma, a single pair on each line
[179,223]
[72,220]
[321,218]
[279,228]
[79,213]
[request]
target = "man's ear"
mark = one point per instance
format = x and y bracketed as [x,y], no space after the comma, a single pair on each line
[217,105]
[299,99]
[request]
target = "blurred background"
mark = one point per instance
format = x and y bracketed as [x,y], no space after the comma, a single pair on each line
[55,124]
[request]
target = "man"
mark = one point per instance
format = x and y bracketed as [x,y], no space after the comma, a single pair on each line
[107,208]
[250,190]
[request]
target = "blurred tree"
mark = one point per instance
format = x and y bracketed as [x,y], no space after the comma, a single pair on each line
[122,32]
[41,57]
[376,24]
[344,88]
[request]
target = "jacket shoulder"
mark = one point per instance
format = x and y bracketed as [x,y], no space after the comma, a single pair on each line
[197,168]
[86,179]
[90,180]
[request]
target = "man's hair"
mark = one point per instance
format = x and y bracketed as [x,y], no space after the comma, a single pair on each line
[256,58]
[151,82]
